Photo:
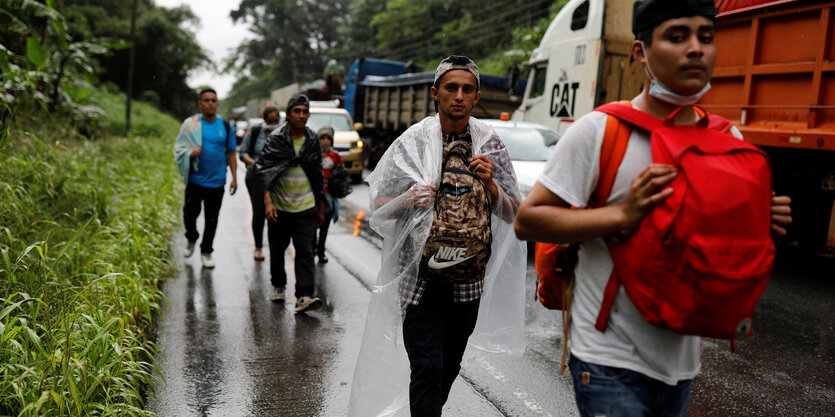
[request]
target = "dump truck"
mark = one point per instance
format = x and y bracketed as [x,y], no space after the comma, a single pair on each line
[363,67]
[774,79]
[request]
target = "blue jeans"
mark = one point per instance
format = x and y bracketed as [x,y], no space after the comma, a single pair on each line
[605,391]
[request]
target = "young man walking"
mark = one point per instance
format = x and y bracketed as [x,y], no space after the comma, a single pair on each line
[417,196]
[633,368]
[289,169]
[204,148]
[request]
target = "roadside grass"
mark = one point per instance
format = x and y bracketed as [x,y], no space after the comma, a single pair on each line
[84,245]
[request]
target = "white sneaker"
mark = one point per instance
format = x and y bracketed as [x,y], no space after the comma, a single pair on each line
[278,294]
[189,249]
[305,303]
[208,262]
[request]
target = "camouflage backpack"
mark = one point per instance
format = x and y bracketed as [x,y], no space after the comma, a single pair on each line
[458,246]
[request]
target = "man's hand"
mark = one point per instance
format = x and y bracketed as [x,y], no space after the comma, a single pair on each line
[483,168]
[780,214]
[196,152]
[645,192]
[320,214]
[269,209]
[421,196]
[232,160]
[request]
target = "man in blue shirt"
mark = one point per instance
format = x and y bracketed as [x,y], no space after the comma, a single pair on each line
[204,148]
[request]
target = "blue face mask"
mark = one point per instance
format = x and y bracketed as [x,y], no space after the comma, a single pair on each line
[660,91]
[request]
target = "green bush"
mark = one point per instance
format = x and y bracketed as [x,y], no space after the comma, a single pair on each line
[84,238]
[146,120]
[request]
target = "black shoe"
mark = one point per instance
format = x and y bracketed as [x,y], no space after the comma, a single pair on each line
[323,259]
[306,303]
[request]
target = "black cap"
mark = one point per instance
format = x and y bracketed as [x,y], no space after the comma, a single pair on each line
[650,13]
[298,100]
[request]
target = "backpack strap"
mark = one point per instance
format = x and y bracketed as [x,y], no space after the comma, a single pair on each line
[615,140]
[253,136]
[632,116]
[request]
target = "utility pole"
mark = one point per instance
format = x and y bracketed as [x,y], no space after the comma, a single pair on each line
[130,67]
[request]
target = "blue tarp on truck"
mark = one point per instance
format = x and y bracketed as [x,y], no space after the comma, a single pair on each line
[363,67]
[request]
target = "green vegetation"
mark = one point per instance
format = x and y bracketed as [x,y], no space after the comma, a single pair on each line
[54,53]
[84,244]
[298,44]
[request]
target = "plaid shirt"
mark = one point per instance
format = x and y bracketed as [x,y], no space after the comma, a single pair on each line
[411,290]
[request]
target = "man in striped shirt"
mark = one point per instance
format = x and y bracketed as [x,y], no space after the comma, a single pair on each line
[290,171]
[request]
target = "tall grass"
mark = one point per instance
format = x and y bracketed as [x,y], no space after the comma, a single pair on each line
[84,232]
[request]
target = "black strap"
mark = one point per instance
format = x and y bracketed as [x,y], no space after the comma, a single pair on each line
[253,136]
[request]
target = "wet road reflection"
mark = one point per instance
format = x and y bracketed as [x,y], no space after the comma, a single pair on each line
[203,365]
[289,355]
[225,349]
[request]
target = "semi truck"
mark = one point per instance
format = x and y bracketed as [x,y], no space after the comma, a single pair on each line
[774,79]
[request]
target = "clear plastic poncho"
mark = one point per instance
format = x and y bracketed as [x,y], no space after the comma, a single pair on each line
[381,379]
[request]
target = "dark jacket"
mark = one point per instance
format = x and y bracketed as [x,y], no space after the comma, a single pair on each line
[279,154]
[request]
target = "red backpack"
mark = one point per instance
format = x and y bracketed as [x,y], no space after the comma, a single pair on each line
[701,258]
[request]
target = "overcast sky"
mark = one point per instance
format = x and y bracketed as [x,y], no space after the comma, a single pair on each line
[217,35]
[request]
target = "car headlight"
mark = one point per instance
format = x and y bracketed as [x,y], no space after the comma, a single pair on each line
[357,144]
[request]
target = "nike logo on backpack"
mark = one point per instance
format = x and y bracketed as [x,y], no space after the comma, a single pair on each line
[455,256]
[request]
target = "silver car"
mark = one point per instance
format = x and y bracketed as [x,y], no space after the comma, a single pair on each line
[529,146]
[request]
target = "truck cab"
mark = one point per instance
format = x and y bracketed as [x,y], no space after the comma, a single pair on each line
[582,62]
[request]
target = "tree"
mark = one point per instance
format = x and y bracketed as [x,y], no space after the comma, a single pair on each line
[426,31]
[165,48]
[524,40]
[293,39]
[56,70]
[358,37]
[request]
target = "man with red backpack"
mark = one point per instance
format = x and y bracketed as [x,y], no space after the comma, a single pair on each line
[628,366]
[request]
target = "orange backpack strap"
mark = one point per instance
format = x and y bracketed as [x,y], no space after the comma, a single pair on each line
[611,155]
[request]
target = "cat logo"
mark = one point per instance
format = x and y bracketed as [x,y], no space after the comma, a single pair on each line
[447,257]
[563,99]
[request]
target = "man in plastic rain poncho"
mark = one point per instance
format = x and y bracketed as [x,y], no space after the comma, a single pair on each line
[443,197]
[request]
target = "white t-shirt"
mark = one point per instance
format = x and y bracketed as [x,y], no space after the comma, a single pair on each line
[629,341]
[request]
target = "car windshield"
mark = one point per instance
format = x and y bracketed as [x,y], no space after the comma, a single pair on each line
[527,143]
[339,122]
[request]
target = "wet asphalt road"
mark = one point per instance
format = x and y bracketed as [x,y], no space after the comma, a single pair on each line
[226,350]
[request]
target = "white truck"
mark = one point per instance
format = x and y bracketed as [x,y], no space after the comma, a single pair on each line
[582,62]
